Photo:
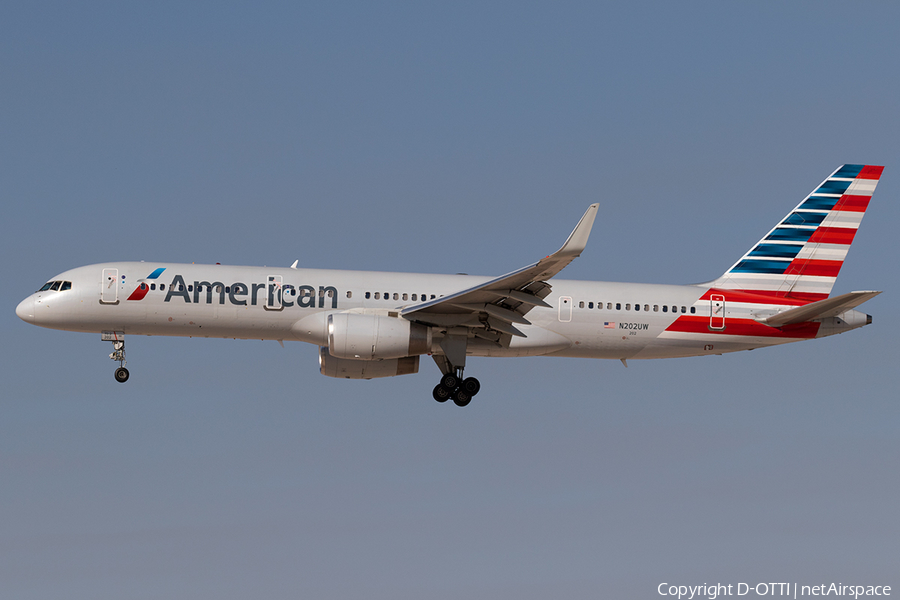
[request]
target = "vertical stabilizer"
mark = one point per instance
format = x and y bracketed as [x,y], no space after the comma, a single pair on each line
[800,258]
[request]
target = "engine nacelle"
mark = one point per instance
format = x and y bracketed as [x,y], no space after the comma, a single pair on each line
[366,337]
[346,368]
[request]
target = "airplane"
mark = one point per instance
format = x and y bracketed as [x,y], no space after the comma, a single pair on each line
[378,324]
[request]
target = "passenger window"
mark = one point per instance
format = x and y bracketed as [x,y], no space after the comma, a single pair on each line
[590,305]
[378,295]
[396,296]
[368,295]
[656,308]
[581,304]
[55,286]
[66,285]
[628,306]
[180,287]
[321,292]
[414,297]
[693,309]
[349,294]
[683,309]
[646,307]
[330,294]
[190,287]
[153,287]
[228,290]
[609,306]
[674,309]
[432,296]
[637,307]
[143,286]
[665,308]
[405,297]
[618,306]
[162,286]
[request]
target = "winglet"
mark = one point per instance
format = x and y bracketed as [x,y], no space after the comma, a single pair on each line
[579,236]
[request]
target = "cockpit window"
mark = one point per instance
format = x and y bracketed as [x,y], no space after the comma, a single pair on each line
[55,286]
[46,286]
[66,285]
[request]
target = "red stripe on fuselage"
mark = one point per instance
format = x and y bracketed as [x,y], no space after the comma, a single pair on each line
[699,324]
[852,203]
[832,235]
[765,296]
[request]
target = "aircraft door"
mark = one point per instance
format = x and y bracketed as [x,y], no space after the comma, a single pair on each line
[565,309]
[717,312]
[109,286]
[274,291]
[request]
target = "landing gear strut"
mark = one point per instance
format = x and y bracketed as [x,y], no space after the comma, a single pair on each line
[118,354]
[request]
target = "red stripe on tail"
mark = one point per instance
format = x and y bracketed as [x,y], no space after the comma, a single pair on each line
[833,235]
[870,172]
[820,268]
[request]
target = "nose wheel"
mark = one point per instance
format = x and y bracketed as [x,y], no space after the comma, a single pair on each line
[118,354]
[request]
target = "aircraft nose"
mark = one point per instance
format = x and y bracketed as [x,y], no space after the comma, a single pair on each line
[25,310]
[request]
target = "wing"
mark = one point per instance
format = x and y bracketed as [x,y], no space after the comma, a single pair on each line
[492,309]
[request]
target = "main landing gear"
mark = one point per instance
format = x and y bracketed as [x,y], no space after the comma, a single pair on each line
[453,386]
[118,354]
[451,363]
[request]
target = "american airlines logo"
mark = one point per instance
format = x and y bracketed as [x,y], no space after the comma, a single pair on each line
[272,294]
[141,290]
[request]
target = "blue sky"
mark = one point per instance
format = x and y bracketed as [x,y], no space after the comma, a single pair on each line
[427,137]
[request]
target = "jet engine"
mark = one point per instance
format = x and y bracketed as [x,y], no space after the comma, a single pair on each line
[367,337]
[346,368]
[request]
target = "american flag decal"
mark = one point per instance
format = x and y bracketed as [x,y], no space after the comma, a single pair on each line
[609,325]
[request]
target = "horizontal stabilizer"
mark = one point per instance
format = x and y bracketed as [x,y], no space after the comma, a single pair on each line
[830,307]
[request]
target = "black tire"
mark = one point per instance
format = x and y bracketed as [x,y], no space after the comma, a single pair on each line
[471,385]
[121,374]
[440,393]
[461,398]
[450,381]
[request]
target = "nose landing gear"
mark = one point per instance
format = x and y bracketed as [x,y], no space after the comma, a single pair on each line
[118,353]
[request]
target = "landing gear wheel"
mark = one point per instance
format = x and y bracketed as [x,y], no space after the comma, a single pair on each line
[450,381]
[471,386]
[121,374]
[461,398]
[440,393]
